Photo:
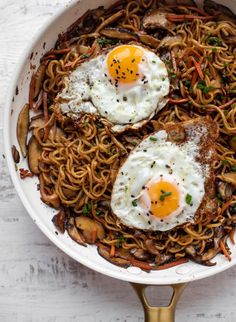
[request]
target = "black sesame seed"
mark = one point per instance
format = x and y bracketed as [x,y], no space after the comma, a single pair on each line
[105,74]
[144,150]
[105,112]
[143,187]
[162,220]
[132,196]
[117,100]
[149,222]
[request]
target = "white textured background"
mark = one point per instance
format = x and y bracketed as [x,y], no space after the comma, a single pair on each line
[37,281]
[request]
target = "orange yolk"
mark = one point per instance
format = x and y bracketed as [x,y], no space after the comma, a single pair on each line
[164,198]
[123,63]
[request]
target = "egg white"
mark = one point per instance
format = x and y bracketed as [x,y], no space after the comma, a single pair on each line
[88,89]
[156,159]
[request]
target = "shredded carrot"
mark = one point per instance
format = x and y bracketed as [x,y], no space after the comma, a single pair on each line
[198,67]
[225,206]
[172,264]
[180,101]
[228,103]
[94,235]
[231,236]
[224,250]
[140,264]
[174,17]
[173,60]
[31,91]
[187,51]
[194,78]
[113,250]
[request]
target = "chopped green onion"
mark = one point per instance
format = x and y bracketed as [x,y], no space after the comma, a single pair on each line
[152,138]
[164,195]
[86,209]
[188,199]
[233,168]
[134,203]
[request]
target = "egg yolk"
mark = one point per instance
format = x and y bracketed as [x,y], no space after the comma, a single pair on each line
[123,63]
[164,198]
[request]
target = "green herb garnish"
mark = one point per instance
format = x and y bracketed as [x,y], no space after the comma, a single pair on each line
[152,138]
[165,194]
[86,209]
[105,41]
[188,199]
[134,203]
[119,242]
[224,162]
[214,41]
[202,86]
[187,83]
[233,168]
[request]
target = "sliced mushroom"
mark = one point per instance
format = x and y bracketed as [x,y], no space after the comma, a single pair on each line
[199,260]
[91,229]
[69,193]
[74,233]
[148,39]
[50,199]
[15,154]
[118,33]
[225,190]
[219,11]
[34,152]
[190,250]
[177,134]
[39,76]
[162,259]
[36,122]
[230,177]
[104,252]
[170,41]
[83,50]
[59,221]
[157,19]
[150,244]
[22,129]
[211,253]
[139,253]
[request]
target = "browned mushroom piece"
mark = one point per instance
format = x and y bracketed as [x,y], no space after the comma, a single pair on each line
[39,76]
[59,221]
[148,39]
[232,142]
[161,259]
[210,254]
[50,199]
[91,229]
[22,129]
[229,177]
[15,154]
[69,193]
[190,250]
[36,122]
[150,244]
[119,33]
[219,11]
[170,41]
[34,152]
[140,254]
[177,135]
[157,19]
[225,190]
[198,259]
[104,252]
[74,233]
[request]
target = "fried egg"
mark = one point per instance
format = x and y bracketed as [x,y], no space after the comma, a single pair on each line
[160,185]
[126,85]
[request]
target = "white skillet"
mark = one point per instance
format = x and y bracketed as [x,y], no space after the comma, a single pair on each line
[42,215]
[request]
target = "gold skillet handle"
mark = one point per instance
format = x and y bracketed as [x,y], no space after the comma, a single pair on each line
[159,314]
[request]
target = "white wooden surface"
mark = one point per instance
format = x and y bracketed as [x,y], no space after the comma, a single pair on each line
[37,281]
